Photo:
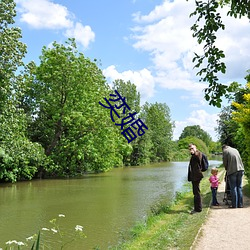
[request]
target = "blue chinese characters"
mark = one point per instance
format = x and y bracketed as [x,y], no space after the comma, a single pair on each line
[135,125]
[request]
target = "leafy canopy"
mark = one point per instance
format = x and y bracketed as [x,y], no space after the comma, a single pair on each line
[205,28]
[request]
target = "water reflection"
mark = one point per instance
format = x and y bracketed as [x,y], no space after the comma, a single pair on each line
[105,204]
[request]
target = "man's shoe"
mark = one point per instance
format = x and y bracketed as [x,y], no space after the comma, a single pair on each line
[217,204]
[231,207]
[194,212]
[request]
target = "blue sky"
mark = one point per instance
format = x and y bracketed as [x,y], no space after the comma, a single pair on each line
[148,42]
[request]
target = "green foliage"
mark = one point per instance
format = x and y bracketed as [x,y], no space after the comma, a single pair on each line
[205,28]
[12,50]
[51,122]
[238,8]
[65,116]
[241,116]
[201,146]
[128,90]
[227,127]
[215,147]
[196,131]
[20,158]
[36,243]
[233,123]
[160,130]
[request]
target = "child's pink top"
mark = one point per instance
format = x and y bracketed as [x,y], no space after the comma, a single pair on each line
[214,181]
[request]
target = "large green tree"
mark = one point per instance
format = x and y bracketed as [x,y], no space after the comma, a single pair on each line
[210,63]
[66,118]
[184,142]
[128,90]
[196,131]
[12,51]
[19,157]
[160,130]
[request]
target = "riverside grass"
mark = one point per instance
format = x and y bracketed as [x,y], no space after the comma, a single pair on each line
[171,226]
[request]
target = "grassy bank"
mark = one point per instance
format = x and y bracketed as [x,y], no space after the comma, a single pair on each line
[170,227]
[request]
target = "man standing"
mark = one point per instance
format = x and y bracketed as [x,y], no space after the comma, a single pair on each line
[195,175]
[235,169]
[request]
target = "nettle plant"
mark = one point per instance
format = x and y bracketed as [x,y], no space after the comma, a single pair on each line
[49,237]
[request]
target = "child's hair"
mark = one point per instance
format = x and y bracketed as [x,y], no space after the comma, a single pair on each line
[214,170]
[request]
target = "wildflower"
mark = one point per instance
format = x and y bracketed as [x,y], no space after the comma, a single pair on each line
[78,228]
[29,238]
[45,229]
[20,243]
[61,215]
[10,242]
[54,230]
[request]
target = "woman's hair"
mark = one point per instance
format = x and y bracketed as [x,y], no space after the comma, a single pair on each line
[214,170]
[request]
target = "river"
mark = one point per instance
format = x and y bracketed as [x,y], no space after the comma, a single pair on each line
[105,204]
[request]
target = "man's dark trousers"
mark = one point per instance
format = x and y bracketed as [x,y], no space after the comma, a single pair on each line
[197,196]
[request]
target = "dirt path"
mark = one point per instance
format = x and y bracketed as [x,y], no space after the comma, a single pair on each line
[225,228]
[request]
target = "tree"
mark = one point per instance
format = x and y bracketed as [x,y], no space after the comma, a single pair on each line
[196,131]
[208,23]
[12,50]
[129,91]
[160,130]
[229,130]
[66,118]
[184,142]
[242,117]
[20,158]
[227,127]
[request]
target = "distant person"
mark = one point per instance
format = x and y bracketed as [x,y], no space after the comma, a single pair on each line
[195,175]
[235,169]
[214,183]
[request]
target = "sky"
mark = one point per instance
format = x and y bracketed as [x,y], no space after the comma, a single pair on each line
[147,42]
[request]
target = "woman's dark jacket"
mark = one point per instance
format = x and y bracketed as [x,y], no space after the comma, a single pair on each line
[194,168]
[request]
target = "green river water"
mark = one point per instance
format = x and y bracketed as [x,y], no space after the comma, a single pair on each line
[104,204]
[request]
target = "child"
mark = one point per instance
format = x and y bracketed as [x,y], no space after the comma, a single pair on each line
[214,185]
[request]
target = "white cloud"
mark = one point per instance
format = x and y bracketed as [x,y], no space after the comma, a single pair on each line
[83,34]
[198,117]
[143,80]
[234,41]
[165,33]
[44,14]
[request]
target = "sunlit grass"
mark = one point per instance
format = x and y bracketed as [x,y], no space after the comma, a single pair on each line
[170,226]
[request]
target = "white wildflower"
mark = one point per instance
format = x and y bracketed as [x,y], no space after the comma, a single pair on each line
[20,243]
[10,242]
[78,228]
[29,238]
[45,229]
[61,215]
[54,230]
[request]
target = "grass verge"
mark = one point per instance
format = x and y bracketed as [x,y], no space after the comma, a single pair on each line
[170,226]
